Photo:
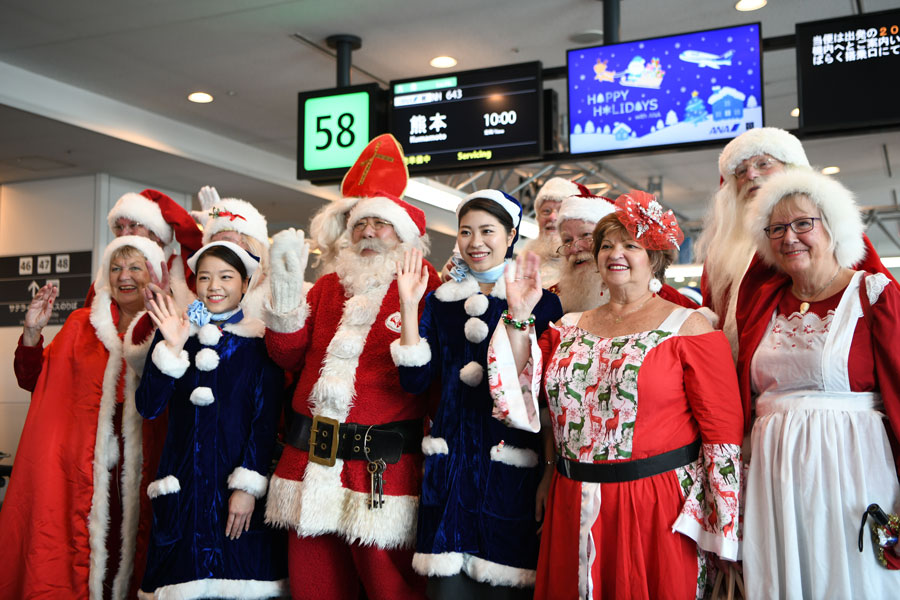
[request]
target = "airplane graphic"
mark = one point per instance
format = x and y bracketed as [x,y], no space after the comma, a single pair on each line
[707,59]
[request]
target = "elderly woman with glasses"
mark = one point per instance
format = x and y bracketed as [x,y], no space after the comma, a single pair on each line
[820,368]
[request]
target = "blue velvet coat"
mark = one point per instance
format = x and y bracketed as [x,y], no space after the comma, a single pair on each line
[476,511]
[223,395]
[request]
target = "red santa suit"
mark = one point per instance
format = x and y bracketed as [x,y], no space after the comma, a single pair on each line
[83,460]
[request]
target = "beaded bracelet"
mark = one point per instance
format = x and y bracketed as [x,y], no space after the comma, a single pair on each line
[521,325]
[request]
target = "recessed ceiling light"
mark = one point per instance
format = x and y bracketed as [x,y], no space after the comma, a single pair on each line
[831,170]
[748,5]
[443,62]
[795,112]
[589,36]
[200,97]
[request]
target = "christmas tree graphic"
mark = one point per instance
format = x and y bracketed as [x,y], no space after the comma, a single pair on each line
[695,110]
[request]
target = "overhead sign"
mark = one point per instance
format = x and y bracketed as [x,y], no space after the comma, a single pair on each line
[844,70]
[679,89]
[333,127]
[22,276]
[469,118]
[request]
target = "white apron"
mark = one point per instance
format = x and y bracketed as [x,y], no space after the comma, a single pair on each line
[820,455]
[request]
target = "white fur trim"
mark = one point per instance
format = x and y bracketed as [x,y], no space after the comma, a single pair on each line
[499,290]
[132,471]
[472,373]
[453,291]
[202,396]
[875,284]
[248,327]
[496,196]
[476,330]
[163,487]
[493,573]
[360,310]
[207,359]
[168,363]
[112,454]
[320,505]
[433,445]
[387,209]
[583,208]
[285,322]
[775,142]
[143,210]
[346,345]
[516,457]
[237,589]
[253,222]
[445,564]
[418,355]
[556,189]
[209,335]
[836,203]
[150,249]
[248,480]
[136,352]
[476,305]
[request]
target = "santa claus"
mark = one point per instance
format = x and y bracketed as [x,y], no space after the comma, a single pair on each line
[546,210]
[349,478]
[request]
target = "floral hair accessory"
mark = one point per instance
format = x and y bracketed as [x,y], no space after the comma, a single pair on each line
[644,218]
[217,213]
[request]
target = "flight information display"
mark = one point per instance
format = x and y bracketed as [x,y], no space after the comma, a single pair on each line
[844,71]
[469,118]
[679,89]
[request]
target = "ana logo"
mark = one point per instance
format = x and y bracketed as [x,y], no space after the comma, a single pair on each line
[393,322]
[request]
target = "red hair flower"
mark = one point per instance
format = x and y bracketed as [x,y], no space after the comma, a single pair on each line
[643,217]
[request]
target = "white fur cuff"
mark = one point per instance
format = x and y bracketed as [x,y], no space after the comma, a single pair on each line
[411,356]
[161,487]
[168,363]
[438,565]
[248,480]
[288,322]
[517,457]
[433,445]
[202,396]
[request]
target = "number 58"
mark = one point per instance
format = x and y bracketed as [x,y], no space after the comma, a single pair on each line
[345,136]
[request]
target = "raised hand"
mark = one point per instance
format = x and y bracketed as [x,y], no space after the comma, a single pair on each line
[523,285]
[38,314]
[287,260]
[157,285]
[172,323]
[412,277]
[208,197]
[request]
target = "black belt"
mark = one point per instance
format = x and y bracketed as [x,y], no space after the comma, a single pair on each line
[615,472]
[327,440]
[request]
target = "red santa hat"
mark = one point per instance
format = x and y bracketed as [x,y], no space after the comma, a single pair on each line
[150,249]
[773,141]
[378,179]
[585,207]
[557,189]
[837,204]
[160,214]
[233,214]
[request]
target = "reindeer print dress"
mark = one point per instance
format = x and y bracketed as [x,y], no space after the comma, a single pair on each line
[630,398]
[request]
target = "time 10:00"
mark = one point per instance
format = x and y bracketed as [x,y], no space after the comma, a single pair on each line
[507,117]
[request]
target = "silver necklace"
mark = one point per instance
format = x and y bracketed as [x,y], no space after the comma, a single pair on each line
[804,304]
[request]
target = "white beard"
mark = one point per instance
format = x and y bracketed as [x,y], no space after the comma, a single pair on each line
[583,289]
[359,274]
[544,246]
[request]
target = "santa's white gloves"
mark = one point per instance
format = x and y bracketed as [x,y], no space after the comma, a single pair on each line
[208,197]
[288,257]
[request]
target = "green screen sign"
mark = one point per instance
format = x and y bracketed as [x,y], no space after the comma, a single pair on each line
[334,127]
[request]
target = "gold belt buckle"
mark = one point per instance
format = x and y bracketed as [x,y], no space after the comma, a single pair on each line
[325,439]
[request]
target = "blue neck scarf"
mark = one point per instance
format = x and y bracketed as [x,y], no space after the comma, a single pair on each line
[200,316]
[461,269]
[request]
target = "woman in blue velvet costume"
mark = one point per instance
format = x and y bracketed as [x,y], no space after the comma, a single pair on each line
[209,367]
[477,533]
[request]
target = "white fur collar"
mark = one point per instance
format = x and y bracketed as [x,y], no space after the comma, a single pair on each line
[248,327]
[101,319]
[453,291]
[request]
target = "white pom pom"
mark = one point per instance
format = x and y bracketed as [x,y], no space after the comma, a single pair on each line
[655,285]
[476,305]
[209,335]
[471,374]
[202,396]
[476,330]
[207,359]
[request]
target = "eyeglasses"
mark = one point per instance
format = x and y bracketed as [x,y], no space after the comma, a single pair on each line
[119,228]
[376,224]
[774,232]
[760,165]
[575,245]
